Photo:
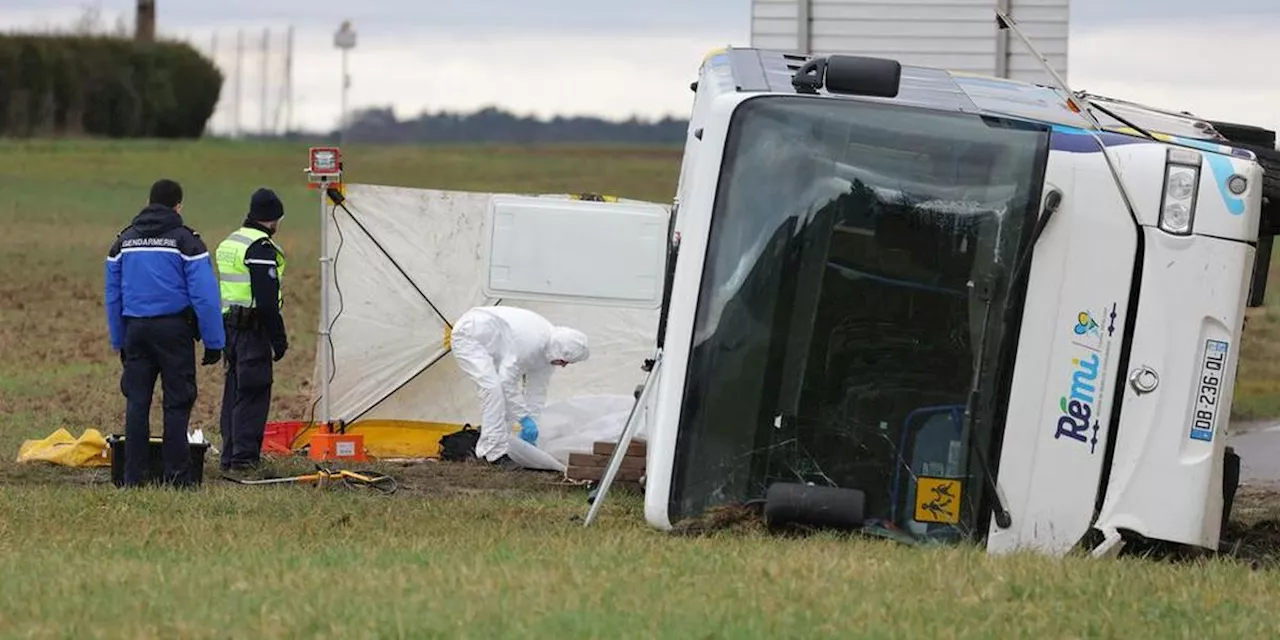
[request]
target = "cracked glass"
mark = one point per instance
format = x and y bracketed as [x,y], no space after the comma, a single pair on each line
[858,308]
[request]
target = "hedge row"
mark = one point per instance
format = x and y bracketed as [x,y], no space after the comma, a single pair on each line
[103,86]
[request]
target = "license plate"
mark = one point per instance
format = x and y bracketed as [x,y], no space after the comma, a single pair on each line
[1208,389]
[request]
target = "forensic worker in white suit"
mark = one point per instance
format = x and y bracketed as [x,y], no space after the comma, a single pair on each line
[497,347]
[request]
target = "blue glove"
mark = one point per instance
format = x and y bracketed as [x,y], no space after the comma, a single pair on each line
[528,430]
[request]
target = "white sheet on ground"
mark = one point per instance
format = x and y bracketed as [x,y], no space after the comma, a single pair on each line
[574,426]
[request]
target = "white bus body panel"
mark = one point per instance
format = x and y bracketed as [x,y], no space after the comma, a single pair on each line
[1166,476]
[1219,212]
[693,223]
[1068,356]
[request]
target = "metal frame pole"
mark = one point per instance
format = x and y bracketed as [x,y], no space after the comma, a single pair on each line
[266,75]
[239,79]
[288,79]
[326,352]
[624,442]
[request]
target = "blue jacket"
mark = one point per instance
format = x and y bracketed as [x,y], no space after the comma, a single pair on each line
[158,267]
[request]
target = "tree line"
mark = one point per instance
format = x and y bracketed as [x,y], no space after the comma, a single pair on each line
[494,125]
[103,85]
[96,85]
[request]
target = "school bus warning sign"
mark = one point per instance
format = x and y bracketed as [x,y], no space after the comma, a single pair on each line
[938,500]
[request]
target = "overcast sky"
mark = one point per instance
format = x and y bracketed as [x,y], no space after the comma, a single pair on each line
[618,58]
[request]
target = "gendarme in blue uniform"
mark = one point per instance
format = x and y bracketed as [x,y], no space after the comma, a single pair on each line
[161,297]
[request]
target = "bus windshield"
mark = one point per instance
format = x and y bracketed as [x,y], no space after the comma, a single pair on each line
[854,296]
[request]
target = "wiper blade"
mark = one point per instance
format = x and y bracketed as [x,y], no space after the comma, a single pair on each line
[1052,201]
[1003,519]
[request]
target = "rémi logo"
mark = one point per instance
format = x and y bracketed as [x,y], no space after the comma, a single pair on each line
[1079,406]
[1092,335]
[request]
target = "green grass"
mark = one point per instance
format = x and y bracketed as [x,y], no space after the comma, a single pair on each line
[287,562]
[459,552]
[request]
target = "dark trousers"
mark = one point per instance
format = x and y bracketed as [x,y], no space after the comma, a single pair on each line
[163,347]
[246,397]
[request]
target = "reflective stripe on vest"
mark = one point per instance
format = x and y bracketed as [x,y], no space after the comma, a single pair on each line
[233,269]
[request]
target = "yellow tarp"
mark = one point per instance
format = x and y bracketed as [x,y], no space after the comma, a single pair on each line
[395,438]
[60,448]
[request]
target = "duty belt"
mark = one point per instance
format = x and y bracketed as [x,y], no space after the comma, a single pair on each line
[241,318]
[187,315]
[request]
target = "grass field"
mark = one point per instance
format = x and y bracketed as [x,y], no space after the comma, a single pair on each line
[459,551]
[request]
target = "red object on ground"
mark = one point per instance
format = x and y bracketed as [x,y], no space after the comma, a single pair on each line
[279,435]
[338,446]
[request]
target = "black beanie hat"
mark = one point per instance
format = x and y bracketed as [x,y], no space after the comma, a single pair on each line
[265,206]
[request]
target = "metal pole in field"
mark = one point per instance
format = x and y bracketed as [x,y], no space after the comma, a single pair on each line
[346,84]
[144,28]
[288,83]
[344,39]
[239,79]
[284,100]
[266,72]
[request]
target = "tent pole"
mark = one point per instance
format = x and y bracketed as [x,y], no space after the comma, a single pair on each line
[624,443]
[326,353]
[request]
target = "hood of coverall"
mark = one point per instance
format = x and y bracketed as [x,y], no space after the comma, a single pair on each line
[569,345]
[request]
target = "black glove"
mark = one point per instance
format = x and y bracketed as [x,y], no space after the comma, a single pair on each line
[211,356]
[122,356]
[279,348]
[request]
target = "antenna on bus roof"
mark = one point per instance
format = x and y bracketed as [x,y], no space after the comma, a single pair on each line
[1073,102]
[1005,22]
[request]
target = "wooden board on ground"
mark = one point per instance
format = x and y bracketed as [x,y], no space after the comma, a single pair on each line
[637,448]
[592,466]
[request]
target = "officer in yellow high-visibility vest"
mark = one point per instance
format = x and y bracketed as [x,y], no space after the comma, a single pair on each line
[250,271]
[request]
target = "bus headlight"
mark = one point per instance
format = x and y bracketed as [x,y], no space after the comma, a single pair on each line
[1181,186]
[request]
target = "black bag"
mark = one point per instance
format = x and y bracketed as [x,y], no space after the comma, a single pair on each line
[460,445]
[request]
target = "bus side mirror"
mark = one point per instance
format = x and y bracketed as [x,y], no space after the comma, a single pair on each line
[850,75]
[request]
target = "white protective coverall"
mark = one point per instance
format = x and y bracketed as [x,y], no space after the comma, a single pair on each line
[495,347]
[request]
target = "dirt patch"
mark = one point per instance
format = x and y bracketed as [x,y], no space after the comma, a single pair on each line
[414,478]
[469,478]
[1253,536]
[1257,544]
[736,518]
